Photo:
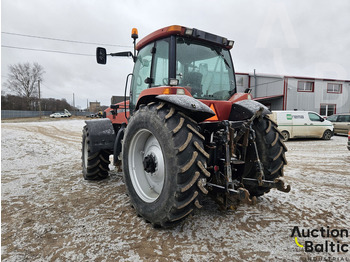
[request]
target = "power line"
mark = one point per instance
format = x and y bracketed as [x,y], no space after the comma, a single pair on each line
[45,50]
[64,94]
[64,40]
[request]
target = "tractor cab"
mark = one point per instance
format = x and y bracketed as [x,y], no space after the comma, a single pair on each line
[182,57]
[177,60]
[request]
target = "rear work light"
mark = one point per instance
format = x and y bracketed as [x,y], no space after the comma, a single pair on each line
[189,31]
[173,82]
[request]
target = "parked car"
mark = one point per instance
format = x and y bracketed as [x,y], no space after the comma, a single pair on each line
[297,124]
[341,123]
[57,115]
[349,140]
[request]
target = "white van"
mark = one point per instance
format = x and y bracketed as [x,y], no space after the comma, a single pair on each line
[293,124]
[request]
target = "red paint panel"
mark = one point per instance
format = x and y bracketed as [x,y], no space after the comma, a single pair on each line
[119,118]
[239,97]
[160,33]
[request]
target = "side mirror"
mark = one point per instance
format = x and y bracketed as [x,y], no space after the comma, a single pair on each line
[101,55]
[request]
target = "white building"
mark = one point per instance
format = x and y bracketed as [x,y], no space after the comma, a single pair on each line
[324,96]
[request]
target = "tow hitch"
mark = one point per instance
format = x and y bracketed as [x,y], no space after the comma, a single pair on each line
[241,193]
[277,183]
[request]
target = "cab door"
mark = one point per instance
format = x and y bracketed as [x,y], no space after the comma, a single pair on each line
[300,126]
[316,126]
[141,74]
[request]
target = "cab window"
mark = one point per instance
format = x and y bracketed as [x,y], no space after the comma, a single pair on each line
[160,70]
[314,117]
[142,71]
[205,70]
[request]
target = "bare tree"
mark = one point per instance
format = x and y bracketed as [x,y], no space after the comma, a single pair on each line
[23,79]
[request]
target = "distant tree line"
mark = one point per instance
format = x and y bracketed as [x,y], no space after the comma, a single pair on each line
[13,102]
[23,83]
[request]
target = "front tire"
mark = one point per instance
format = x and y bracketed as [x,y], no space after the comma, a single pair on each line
[164,162]
[95,164]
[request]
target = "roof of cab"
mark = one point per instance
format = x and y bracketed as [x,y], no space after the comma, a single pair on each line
[184,31]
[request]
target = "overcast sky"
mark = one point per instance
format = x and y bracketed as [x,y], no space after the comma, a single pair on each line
[303,38]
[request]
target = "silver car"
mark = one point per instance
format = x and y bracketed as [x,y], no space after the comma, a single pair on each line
[341,123]
[57,115]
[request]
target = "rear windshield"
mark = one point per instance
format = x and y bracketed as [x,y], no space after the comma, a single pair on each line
[205,70]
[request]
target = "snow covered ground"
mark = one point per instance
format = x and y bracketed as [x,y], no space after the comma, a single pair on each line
[50,213]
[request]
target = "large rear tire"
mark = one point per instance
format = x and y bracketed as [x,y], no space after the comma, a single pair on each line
[95,164]
[271,149]
[163,163]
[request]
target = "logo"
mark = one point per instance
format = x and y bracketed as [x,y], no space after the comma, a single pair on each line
[321,240]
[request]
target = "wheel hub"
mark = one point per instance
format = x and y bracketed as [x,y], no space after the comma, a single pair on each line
[150,163]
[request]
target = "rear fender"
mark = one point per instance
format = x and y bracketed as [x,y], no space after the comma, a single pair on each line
[101,134]
[191,106]
[246,109]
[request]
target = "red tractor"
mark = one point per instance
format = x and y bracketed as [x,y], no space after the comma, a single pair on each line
[185,132]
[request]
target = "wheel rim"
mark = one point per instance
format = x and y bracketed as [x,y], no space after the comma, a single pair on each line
[148,185]
[328,135]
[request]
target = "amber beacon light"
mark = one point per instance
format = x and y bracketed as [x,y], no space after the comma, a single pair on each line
[134,33]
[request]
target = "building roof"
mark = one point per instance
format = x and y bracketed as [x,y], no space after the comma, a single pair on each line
[267,97]
[297,77]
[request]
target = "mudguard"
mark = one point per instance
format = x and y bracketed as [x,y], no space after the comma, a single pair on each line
[193,107]
[101,134]
[246,109]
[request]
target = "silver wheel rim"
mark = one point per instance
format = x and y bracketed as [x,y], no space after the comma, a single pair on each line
[148,186]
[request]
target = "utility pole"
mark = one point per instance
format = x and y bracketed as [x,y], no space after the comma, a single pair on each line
[74,105]
[255,80]
[39,100]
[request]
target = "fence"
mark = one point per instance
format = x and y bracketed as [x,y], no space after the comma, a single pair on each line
[5,114]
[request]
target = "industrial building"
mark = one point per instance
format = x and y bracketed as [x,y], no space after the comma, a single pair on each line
[95,107]
[324,96]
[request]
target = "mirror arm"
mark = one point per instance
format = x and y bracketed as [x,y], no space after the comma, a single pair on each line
[128,54]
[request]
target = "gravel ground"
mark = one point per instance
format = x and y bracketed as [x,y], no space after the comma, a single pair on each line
[50,213]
